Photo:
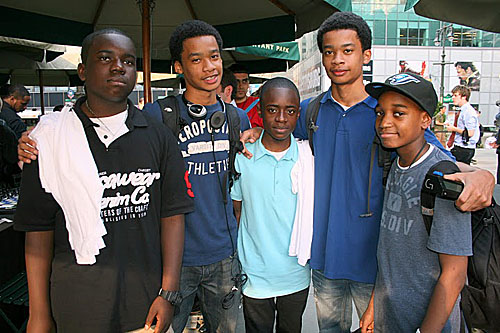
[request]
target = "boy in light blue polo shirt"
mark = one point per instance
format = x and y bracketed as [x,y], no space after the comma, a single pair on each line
[265,207]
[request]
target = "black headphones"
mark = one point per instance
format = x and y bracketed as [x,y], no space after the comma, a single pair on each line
[198,111]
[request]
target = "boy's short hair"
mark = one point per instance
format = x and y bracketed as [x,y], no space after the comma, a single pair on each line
[463,91]
[89,40]
[228,79]
[239,68]
[346,20]
[190,29]
[413,86]
[279,82]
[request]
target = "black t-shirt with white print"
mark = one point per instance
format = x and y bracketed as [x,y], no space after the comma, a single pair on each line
[143,174]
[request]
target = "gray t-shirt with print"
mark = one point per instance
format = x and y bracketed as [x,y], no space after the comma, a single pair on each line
[408,262]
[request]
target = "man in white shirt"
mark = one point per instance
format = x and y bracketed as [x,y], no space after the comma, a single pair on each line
[467,129]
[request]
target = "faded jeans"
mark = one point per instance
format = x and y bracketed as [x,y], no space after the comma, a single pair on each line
[334,301]
[211,283]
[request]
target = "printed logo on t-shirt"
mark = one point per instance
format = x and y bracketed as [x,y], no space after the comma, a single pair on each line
[131,198]
[403,195]
[191,144]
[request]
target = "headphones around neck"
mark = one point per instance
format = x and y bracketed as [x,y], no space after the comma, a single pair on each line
[198,111]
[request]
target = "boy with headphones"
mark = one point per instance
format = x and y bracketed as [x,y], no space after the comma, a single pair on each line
[209,265]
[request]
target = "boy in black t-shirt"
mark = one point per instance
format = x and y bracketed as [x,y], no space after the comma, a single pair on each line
[137,167]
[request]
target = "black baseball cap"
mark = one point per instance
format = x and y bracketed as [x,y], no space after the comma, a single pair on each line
[413,86]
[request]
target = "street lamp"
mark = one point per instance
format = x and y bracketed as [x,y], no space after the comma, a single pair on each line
[443,33]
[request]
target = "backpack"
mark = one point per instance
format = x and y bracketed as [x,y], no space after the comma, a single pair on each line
[384,155]
[171,117]
[480,301]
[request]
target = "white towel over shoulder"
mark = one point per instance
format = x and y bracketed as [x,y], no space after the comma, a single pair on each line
[302,176]
[68,171]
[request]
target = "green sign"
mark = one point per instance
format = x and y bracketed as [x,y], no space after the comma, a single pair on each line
[286,50]
[447,99]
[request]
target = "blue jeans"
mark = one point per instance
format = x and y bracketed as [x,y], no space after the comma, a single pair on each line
[211,283]
[334,301]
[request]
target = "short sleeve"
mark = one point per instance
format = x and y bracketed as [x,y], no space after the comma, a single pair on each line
[177,196]
[470,120]
[236,189]
[300,131]
[451,230]
[36,209]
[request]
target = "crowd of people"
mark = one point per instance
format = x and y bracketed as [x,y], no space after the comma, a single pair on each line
[128,220]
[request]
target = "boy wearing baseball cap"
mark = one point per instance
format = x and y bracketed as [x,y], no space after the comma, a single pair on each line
[420,275]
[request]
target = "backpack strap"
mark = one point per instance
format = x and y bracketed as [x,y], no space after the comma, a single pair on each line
[384,158]
[250,107]
[235,145]
[171,114]
[428,199]
[311,117]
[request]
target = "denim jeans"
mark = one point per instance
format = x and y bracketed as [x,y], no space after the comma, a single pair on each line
[334,301]
[211,283]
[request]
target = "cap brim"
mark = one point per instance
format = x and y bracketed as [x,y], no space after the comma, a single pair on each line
[376,89]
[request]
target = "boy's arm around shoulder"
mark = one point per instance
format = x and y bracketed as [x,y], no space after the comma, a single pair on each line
[478,187]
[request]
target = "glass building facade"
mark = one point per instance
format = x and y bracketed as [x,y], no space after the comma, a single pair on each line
[391,25]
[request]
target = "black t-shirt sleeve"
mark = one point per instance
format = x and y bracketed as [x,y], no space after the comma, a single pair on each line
[177,197]
[36,209]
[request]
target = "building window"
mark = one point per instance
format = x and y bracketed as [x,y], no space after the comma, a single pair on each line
[463,36]
[412,36]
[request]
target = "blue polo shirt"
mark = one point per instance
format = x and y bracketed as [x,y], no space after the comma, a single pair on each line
[268,212]
[344,244]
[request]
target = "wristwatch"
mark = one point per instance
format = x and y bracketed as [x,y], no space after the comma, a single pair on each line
[173,297]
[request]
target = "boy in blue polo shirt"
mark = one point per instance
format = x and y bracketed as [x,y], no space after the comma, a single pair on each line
[265,207]
[420,275]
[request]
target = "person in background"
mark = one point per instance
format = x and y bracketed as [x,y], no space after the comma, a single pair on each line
[15,99]
[439,125]
[243,101]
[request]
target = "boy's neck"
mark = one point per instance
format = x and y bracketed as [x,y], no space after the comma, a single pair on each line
[349,94]
[201,97]
[410,153]
[97,107]
[273,145]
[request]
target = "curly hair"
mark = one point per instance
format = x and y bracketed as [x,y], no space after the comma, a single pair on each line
[89,40]
[190,29]
[346,20]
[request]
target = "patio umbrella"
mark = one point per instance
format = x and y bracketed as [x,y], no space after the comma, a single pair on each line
[480,14]
[239,22]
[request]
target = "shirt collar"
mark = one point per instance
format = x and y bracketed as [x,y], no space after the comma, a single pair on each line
[135,118]
[369,101]
[261,151]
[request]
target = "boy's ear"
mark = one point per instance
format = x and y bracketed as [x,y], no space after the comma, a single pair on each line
[81,71]
[426,120]
[367,55]
[259,111]
[178,67]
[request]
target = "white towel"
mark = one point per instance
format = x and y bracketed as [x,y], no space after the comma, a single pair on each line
[68,171]
[302,176]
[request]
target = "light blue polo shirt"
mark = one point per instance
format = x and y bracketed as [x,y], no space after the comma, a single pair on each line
[268,212]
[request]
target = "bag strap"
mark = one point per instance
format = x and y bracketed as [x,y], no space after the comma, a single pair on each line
[428,199]
[171,114]
[311,117]
[250,107]
[235,146]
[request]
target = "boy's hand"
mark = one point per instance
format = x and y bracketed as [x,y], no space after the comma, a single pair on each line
[26,149]
[250,135]
[478,189]
[163,311]
[40,324]
[367,320]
